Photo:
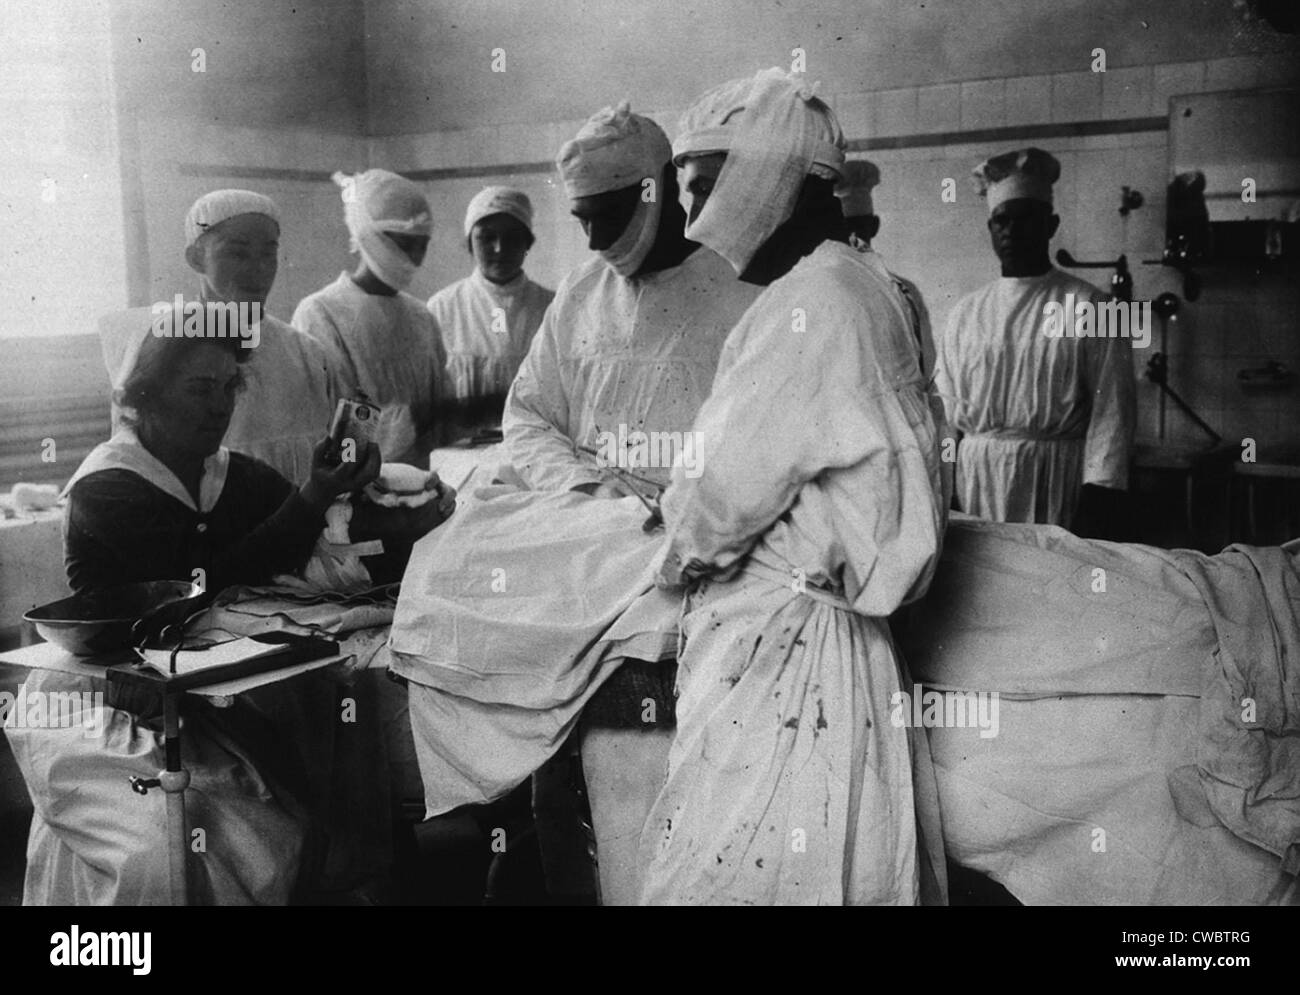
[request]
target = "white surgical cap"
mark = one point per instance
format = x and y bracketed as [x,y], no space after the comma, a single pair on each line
[389,202]
[221,205]
[777,134]
[614,149]
[854,190]
[1024,173]
[375,202]
[709,124]
[499,200]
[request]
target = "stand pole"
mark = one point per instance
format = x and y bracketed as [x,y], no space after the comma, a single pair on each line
[174,780]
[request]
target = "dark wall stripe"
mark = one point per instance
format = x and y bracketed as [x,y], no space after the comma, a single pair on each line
[981,136]
[1017,133]
[203,169]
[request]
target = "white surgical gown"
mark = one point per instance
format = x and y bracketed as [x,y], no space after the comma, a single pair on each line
[614,352]
[1039,417]
[819,512]
[286,407]
[388,348]
[486,330]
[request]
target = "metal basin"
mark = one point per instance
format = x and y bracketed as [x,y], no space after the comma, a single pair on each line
[100,623]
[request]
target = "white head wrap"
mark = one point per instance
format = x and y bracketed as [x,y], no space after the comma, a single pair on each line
[775,133]
[709,125]
[499,200]
[1024,173]
[221,205]
[378,201]
[613,150]
[854,190]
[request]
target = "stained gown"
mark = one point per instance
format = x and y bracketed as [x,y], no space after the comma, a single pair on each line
[818,513]
[485,346]
[388,348]
[613,351]
[1039,417]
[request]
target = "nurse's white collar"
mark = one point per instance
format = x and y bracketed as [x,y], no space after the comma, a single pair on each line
[500,289]
[1026,281]
[124,451]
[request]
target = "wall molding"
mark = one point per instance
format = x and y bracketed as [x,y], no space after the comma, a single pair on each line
[976,136]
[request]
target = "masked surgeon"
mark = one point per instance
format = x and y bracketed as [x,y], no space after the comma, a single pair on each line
[382,343]
[629,346]
[817,514]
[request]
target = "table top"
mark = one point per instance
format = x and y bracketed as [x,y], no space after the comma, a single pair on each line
[1264,468]
[47,656]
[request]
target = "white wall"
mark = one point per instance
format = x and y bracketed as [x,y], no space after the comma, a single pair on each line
[430,64]
[61,213]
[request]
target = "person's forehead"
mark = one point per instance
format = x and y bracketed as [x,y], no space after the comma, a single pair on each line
[246,228]
[1020,207]
[498,223]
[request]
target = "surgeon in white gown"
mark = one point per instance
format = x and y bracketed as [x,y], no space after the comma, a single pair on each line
[1045,422]
[488,319]
[817,514]
[383,343]
[631,341]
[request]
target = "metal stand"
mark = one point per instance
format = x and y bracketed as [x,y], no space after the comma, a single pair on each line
[173,780]
[1165,307]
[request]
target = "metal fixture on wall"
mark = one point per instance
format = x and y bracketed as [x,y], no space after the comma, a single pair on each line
[1121,281]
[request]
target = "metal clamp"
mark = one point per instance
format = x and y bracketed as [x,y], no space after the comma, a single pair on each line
[141,785]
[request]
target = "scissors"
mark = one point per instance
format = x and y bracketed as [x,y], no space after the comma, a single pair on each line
[656,518]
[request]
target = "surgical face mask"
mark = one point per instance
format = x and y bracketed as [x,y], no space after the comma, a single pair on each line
[630,249]
[384,259]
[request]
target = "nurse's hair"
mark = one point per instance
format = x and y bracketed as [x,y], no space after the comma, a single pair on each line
[156,364]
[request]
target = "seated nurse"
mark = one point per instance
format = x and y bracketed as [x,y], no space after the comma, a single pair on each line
[161,500]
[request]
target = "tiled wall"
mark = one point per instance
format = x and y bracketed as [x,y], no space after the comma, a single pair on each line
[1238,322]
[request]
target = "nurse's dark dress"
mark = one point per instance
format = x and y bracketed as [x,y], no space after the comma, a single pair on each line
[92,840]
[120,528]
